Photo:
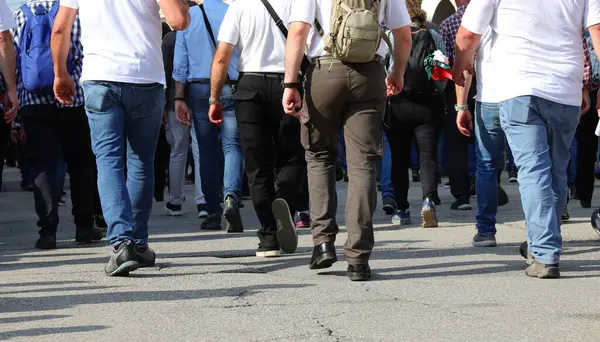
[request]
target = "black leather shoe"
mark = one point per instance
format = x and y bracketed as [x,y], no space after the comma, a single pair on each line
[323,256]
[359,272]
[88,234]
[596,221]
[46,242]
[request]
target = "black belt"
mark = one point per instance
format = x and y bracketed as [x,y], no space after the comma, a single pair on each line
[265,75]
[207,81]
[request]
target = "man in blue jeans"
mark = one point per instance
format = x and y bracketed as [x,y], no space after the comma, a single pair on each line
[538,58]
[123,83]
[194,49]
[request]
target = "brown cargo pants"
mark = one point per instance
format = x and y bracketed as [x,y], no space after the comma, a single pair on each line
[349,96]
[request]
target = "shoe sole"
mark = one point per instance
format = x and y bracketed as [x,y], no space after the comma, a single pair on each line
[326,260]
[268,254]
[234,221]
[174,213]
[462,207]
[550,273]
[388,209]
[429,219]
[125,268]
[402,222]
[286,229]
[359,276]
[484,244]
[512,180]
[202,215]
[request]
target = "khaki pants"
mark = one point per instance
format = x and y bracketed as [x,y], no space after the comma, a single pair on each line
[349,96]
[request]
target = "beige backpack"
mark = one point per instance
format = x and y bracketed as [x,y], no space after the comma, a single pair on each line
[355,31]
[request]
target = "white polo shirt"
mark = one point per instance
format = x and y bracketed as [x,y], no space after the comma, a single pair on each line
[7,21]
[393,12]
[121,40]
[538,49]
[261,44]
[485,70]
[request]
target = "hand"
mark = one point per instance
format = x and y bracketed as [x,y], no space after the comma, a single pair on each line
[64,89]
[23,136]
[394,83]
[215,114]
[464,122]
[183,113]
[459,74]
[586,101]
[11,105]
[14,136]
[292,102]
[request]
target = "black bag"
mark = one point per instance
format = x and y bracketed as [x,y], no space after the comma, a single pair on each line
[416,80]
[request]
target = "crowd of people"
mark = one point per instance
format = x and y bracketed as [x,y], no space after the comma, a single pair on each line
[278,100]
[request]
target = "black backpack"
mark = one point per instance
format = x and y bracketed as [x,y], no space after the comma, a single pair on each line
[416,80]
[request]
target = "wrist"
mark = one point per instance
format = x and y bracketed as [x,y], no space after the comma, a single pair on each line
[461,107]
[213,101]
[179,99]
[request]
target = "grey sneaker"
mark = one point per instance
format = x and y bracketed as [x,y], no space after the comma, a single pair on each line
[287,237]
[146,256]
[484,241]
[428,214]
[123,259]
[543,271]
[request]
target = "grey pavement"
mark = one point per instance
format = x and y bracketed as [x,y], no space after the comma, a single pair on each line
[428,285]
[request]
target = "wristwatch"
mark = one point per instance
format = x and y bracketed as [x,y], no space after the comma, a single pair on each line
[293,85]
[459,108]
[212,101]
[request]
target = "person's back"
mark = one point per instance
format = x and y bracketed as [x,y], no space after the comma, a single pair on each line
[123,83]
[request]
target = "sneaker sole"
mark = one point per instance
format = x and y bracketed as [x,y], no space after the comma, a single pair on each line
[174,213]
[463,207]
[268,254]
[326,260]
[551,273]
[202,215]
[388,209]
[234,222]
[286,229]
[125,268]
[356,276]
[512,180]
[429,219]
[484,244]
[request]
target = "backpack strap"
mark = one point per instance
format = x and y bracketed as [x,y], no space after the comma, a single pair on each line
[54,10]
[27,12]
[211,35]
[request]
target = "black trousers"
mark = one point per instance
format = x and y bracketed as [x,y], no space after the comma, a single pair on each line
[4,143]
[48,129]
[457,146]
[273,153]
[421,120]
[161,164]
[587,145]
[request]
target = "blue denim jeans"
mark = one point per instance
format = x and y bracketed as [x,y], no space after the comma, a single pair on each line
[125,115]
[540,133]
[489,142]
[572,169]
[207,135]
[472,160]
[387,190]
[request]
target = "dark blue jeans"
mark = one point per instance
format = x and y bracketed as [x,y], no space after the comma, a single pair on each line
[117,110]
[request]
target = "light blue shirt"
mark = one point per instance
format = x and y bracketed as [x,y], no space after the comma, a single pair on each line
[194,49]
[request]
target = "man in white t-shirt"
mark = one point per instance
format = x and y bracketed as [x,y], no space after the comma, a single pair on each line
[274,156]
[123,83]
[352,96]
[539,51]
[8,63]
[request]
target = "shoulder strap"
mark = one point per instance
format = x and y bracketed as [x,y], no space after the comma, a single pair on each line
[305,62]
[211,35]
[27,12]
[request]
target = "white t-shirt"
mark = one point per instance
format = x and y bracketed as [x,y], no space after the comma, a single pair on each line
[484,69]
[393,12]
[538,49]
[7,21]
[121,40]
[261,44]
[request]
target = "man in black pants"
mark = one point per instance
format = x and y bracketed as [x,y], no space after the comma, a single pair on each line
[50,127]
[587,145]
[270,138]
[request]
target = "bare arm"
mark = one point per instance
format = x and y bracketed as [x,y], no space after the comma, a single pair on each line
[220,66]
[402,47]
[294,50]
[462,92]
[8,62]
[60,42]
[466,45]
[177,13]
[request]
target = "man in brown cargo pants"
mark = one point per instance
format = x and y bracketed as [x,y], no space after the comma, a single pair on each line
[349,95]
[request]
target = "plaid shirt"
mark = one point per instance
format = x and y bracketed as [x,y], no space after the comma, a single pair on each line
[449,29]
[26,98]
[590,79]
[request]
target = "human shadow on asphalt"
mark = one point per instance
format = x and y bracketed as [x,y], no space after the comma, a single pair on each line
[60,302]
[36,332]
[25,319]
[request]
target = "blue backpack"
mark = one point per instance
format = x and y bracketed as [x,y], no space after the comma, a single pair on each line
[35,62]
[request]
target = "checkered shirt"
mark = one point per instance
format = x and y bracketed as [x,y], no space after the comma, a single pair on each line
[27,98]
[590,76]
[449,29]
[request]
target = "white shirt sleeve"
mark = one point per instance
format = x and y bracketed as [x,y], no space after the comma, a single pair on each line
[303,11]
[479,15]
[229,32]
[70,3]
[592,13]
[395,14]
[7,21]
